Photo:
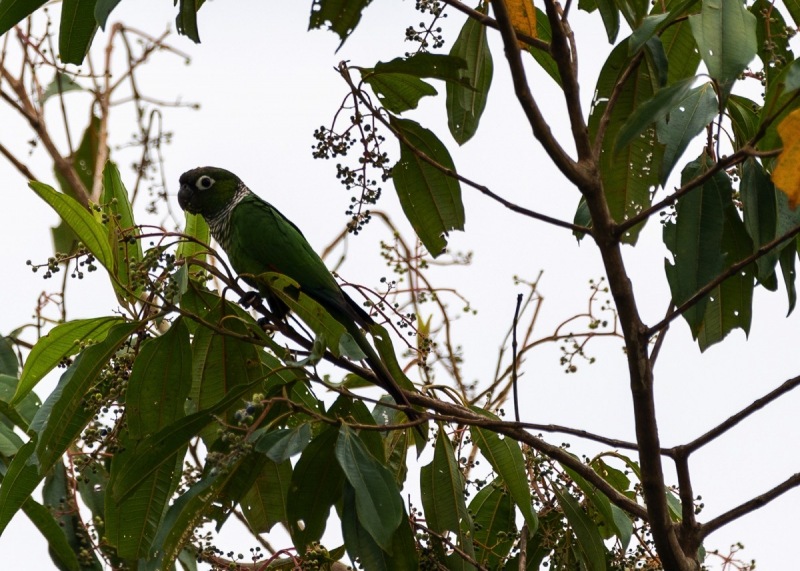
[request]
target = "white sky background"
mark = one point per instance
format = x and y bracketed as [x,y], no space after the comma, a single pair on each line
[265,84]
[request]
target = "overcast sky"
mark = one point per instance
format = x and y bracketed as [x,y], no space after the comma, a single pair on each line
[264,85]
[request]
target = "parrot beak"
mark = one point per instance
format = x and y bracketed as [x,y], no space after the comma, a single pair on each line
[185,196]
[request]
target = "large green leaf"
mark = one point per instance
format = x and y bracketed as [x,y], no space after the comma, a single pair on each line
[423,64]
[61,342]
[589,542]
[89,231]
[726,36]
[197,228]
[690,115]
[122,231]
[494,523]
[102,10]
[316,485]
[378,503]
[18,415]
[744,116]
[12,12]
[264,504]
[615,522]
[361,545]
[398,92]
[431,199]
[760,204]
[19,482]
[281,444]
[63,554]
[186,20]
[677,39]
[695,240]
[730,303]
[9,364]
[630,174]
[77,29]
[653,110]
[160,448]
[506,458]
[442,488]
[65,412]
[465,104]
[339,16]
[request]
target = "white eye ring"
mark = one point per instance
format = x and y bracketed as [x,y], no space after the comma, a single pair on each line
[205,182]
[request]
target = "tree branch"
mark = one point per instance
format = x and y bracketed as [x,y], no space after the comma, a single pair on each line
[733,269]
[450,172]
[735,419]
[541,129]
[749,506]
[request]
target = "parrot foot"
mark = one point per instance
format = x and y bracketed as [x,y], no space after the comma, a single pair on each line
[266,324]
[249,299]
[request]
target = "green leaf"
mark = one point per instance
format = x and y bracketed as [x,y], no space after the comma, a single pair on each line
[442,488]
[726,36]
[21,478]
[182,517]
[494,524]
[616,521]
[122,231]
[89,231]
[789,274]
[22,413]
[102,10]
[309,503]
[361,545]
[506,458]
[542,57]
[730,303]
[677,39]
[653,110]
[132,523]
[221,363]
[186,20]
[283,443]
[431,199]
[61,342]
[264,504]
[780,101]
[695,240]
[12,12]
[155,450]
[64,414]
[398,92]
[630,175]
[62,553]
[378,502]
[77,29]
[62,83]
[760,203]
[338,16]
[159,382]
[744,117]
[690,115]
[9,364]
[590,543]
[465,104]
[423,64]
[610,17]
[197,228]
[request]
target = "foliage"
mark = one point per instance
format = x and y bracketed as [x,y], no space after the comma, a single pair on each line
[182,408]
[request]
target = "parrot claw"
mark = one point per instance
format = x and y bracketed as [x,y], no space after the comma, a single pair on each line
[249,299]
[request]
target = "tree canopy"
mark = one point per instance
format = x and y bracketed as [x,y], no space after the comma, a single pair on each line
[182,407]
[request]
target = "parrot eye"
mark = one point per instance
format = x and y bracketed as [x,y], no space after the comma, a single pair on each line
[205,182]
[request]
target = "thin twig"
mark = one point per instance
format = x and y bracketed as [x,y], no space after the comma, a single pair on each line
[514,356]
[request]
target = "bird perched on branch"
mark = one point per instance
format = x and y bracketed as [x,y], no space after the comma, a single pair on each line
[259,239]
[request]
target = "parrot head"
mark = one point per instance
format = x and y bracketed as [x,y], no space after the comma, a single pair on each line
[207,190]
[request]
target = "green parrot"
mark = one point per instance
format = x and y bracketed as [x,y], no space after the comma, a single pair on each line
[259,239]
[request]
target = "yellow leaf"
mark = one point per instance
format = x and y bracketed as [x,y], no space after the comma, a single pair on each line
[787,173]
[523,18]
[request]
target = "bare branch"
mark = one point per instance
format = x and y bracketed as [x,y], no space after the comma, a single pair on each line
[735,419]
[749,506]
